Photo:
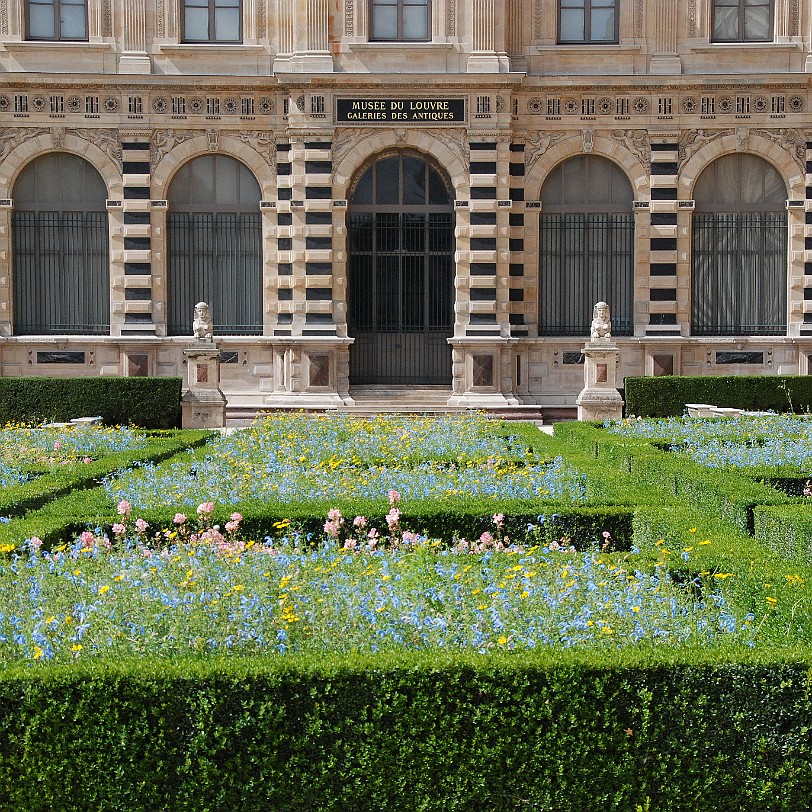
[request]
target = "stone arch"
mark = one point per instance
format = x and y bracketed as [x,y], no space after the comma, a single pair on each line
[603,147]
[777,157]
[364,147]
[169,164]
[19,157]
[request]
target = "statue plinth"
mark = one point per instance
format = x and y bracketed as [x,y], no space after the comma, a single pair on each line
[599,399]
[203,405]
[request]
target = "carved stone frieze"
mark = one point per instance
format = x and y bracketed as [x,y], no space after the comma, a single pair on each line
[262,142]
[164,141]
[456,141]
[349,18]
[106,140]
[694,140]
[107,19]
[742,139]
[12,137]
[637,142]
[58,137]
[691,19]
[538,16]
[638,19]
[160,19]
[344,139]
[451,17]
[213,139]
[791,141]
[262,20]
[587,140]
[539,144]
[3,17]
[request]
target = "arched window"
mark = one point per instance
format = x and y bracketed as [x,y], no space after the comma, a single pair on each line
[586,246]
[215,246]
[60,239]
[401,273]
[739,259]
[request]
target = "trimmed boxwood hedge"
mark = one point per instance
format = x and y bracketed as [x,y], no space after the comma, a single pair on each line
[152,403]
[666,396]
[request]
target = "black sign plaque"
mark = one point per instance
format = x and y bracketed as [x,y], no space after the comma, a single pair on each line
[400,111]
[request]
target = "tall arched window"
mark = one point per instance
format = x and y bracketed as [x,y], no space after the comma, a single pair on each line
[215,246]
[586,246]
[739,259]
[60,239]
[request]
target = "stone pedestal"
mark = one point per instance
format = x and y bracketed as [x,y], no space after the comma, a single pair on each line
[599,399]
[203,405]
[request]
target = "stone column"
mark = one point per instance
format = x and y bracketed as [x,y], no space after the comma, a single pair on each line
[488,38]
[134,58]
[599,399]
[304,37]
[667,20]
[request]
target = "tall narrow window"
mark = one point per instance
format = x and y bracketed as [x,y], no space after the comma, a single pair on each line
[743,20]
[212,20]
[57,19]
[588,21]
[586,247]
[739,258]
[60,242]
[400,20]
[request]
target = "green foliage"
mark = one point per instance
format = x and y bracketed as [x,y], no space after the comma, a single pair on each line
[424,732]
[666,396]
[145,402]
[786,529]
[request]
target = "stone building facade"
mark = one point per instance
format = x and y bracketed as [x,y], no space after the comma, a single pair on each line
[405,194]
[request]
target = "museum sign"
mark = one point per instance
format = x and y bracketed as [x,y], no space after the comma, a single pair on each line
[400,111]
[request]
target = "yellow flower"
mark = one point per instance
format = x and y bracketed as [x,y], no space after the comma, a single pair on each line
[76,647]
[38,653]
[502,641]
[103,589]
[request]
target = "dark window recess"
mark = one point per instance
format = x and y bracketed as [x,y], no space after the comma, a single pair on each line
[483,243]
[284,294]
[319,294]
[664,218]
[136,218]
[808,268]
[136,243]
[516,194]
[517,147]
[807,294]
[483,167]
[319,318]
[228,357]
[479,145]
[283,147]
[665,168]
[516,295]
[319,218]
[320,145]
[808,217]
[282,332]
[663,193]
[483,218]
[284,318]
[284,269]
[516,318]
[663,243]
[516,220]
[808,243]
[807,318]
[516,244]
[664,147]
[284,194]
[318,268]
[483,294]
[129,146]
[137,294]
[318,193]
[739,357]
[136,192]
[319,167]
[483,268]
[284,219]
[809,192]
[516,269]
[662,319]
[663,268]
[138,318]
[517,170]
[137,268]
[284,244]
[483,193]
[663,295]
[573,357]
[283,169]
[60,358]
[483,318]
[318,243]
[136,167]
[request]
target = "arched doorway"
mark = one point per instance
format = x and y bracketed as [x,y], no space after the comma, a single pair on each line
[401,273]
[215,246]
[739,249]
[586,247]
[61,258]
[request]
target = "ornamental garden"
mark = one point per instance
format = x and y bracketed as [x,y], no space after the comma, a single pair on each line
[324,612]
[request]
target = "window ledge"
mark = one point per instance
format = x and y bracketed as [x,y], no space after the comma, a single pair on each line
[34,44]
[210,47]
[715,46]
[390,46]
[612,47]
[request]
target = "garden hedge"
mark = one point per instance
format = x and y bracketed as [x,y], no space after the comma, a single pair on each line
[416,733]
[152,403]
[666,396]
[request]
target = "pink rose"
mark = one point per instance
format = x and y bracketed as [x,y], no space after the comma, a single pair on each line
[119,529]
[179,518]
[141,526]
[124,508]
